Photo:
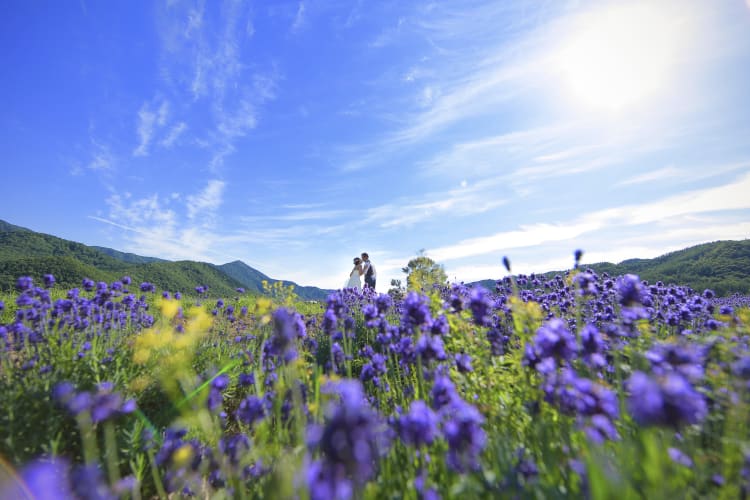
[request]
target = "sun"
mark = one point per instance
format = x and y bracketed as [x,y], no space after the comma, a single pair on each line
[619,56]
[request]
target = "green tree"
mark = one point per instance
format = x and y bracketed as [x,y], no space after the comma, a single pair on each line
[396,291]
[422,273]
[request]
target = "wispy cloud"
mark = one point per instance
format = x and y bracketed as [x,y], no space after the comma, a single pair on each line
[102,159]
[165,226]
[150,118]
[462,201]
[721,198]
[207,201]
[299,18]
[204,56]
[174,134]
[299,216]
[101,162]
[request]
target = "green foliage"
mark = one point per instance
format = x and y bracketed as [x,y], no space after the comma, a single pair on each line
[423,273]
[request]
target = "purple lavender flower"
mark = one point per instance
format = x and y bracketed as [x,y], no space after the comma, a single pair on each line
[431,348]
[416,310]
[440,326]
[41,480]
[285,331]
[506,263]
[246,379]
[630,290]
[251,410]
[463,432]
[24,283]
[554,340]
[592,346]
[102,405]
[49,281]
[480,305]
[684,359]
[679,457]
[88,482]
[383,302]
[419,427]
[350,443]
[578,254]
[668,401]
[463,362]
[374,369]
[221,382]
[443,392]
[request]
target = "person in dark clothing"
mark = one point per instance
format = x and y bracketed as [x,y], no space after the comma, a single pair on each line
[369,271]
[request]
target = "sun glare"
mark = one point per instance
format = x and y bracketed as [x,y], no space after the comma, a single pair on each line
[617,57]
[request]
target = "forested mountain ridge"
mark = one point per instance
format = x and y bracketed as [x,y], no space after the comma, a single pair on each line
[24,252]
[722,266]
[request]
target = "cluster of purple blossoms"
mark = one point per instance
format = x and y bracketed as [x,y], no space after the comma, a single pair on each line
[553,346]
[481,305]
[685,359]
[375,369]
[101,406]
[418,427]
[461,424]
[287,327]
[180,476]
[595,405]
[252,409]
[668,400]
[593,347]
[349,444]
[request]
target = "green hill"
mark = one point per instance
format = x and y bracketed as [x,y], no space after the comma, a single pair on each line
[252,279]
[722,266]
[127,257]
[27,253]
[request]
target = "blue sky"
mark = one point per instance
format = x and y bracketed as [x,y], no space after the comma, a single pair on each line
[294,135]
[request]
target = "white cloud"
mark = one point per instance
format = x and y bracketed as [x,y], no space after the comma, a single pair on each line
[300,216]
[727,197]
[299,18]
[174,134]
[150,119]
[207,201]
[207,61]
[153,227]
[145,129]
[102,159]
[456,202]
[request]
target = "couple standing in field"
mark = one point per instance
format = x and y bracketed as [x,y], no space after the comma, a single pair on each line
[362,267]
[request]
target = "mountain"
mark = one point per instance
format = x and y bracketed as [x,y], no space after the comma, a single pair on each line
[722,266]
[8,227]
[252,279]
[27,253]
[127,257]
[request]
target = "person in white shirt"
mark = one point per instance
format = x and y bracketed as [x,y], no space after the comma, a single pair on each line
[369,271]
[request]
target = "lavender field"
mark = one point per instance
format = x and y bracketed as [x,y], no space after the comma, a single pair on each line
[572,386]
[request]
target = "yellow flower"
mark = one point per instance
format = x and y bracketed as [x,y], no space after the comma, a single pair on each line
[182,455]
[169,308]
